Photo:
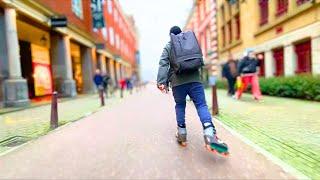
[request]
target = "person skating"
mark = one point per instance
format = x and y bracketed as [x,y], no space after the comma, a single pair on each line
[247,69]
[180,67]
[229,71]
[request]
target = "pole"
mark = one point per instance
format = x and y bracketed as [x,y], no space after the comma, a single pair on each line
[101,96]
[54,110]
[215,108]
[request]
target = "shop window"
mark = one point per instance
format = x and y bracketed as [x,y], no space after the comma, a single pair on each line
[303,52]
[77,8]
[264,11]
[300,2]
[238,31]
[278,62]
[282,7]
[230,31]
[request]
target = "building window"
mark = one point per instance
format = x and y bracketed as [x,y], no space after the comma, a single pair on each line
[117,41]
[222,14]
[77,8]
[261,64]
[282,7]
[238,30]
[303,52]
[300,2]
[109,6]
[111,35]
[264,11]
[230,31]
[223,36]
[278,62]
[116,16]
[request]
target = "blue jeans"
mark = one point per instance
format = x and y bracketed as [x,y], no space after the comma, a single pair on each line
[195,91]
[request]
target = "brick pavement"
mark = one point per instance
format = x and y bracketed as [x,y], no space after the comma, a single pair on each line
[30,123]
[287,128]
[135,139]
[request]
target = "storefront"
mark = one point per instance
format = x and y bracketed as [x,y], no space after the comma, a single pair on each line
[76,66]
[34,45]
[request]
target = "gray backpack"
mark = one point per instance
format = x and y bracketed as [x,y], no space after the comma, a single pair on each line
[186,53]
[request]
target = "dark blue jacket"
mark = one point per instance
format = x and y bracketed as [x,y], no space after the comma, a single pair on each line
[98,79]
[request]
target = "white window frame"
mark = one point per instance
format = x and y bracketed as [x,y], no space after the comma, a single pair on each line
[110,6]
[111,33]
[77,8]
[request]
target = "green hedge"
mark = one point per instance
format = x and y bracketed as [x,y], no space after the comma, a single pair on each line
[302,86]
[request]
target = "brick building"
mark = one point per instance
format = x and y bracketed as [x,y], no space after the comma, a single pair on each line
[285,32]
[36,58]
[202,20]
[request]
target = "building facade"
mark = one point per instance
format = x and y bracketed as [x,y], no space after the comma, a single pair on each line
[202,20]
[37,58]
[285,32]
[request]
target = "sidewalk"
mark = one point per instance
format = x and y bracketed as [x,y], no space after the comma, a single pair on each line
[19,126]
[287,128]
[135,139]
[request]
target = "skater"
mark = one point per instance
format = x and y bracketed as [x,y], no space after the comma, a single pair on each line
[247,69]
[229,71]
[184,78]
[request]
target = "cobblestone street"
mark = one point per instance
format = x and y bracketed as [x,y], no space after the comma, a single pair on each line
[287,128]
[135,139]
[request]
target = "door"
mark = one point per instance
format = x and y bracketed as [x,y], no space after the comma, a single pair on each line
[26,66]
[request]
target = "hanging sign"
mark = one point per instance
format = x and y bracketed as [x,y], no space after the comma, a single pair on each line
[97,14]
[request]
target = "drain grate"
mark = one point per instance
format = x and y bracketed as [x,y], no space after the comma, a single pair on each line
[14,141]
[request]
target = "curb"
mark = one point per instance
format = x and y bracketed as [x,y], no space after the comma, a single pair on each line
[287,168]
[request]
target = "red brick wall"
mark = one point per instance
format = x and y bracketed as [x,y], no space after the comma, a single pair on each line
[64,7]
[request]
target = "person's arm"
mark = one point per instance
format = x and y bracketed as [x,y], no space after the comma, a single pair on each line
[163,71]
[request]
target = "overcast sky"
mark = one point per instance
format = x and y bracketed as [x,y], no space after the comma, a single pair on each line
[154,19]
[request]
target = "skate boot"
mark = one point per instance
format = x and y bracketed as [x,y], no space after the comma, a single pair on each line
[212,142]
[181,136]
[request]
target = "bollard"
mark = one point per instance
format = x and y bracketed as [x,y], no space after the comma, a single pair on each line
[215,108]
[54,110]
[101,96]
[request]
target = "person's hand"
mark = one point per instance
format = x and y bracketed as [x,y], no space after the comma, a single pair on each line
[163,88]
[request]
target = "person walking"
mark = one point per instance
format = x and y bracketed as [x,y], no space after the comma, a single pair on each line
[98,79]
[105,83]
[179,67]
[122,84]
[247,69]
[229,71]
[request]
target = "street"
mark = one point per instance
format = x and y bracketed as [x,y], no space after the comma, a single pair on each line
[135,139]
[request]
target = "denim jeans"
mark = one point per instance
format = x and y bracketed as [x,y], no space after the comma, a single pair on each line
[195,91]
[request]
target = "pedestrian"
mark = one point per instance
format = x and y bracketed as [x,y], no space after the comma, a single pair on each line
[229,71]
[247,69]
[105,83]
[122,84]
[129,84]
[180,69]
[98,79]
